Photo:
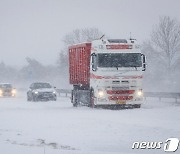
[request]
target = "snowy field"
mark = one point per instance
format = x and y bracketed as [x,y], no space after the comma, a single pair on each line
[59,128]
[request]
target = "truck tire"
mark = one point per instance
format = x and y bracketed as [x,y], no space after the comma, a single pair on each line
[137,105]
[75,104]
[74,98]
[92,98]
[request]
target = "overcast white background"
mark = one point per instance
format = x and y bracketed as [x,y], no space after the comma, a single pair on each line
[35,28]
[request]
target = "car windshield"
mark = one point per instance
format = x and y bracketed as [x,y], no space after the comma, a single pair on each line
[41,85]
[5,86]
[119,60]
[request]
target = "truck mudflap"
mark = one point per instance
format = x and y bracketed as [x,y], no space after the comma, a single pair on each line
[80,97]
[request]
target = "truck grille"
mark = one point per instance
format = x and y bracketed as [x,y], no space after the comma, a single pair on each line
[116,82]
[120,98]
[125,81]
[121,88]
[122,82]
[111,92]
[115,95]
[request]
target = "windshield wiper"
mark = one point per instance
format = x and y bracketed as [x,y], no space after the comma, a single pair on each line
[134,67]
[117,67]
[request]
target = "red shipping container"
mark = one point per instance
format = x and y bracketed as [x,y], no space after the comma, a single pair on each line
[79,64]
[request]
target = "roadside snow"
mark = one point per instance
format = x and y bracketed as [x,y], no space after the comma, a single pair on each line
[57,127]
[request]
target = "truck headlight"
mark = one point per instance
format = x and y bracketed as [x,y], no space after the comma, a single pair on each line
[139,93]
[101,93]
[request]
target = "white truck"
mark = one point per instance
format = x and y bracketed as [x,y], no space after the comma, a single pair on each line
[107,73]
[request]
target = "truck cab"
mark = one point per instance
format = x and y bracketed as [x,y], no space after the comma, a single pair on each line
[116,72]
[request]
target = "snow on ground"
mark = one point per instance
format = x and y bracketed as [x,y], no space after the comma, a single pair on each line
[57,127]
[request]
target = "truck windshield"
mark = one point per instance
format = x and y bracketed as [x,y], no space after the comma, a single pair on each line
[119,60]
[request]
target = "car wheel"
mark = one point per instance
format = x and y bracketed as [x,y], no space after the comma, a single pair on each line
[28,99]
[53,99]
[35,99]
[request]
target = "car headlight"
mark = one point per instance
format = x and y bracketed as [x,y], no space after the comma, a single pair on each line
[13,91]
[1,92]
[36,92]
[54,92]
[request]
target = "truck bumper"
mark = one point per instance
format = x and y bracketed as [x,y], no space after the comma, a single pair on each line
[119,102]
[118,106]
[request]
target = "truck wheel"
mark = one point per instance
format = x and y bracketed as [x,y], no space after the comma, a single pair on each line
[72,96]
[75,104]
[74,99]
[91,98]
[137,106]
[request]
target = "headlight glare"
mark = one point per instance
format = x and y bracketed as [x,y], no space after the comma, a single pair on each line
[36,92]
[101,93]
[13,91]
[139,93]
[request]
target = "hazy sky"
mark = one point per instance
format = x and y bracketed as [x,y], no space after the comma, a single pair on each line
[35,28]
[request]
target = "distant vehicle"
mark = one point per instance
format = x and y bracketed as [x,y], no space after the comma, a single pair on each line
[7,90]
[40,91]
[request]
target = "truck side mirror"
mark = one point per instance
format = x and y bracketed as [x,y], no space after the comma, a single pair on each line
[94,62]
[143,62]
[144,67]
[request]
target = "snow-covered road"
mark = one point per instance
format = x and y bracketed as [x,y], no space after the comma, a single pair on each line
[57,127]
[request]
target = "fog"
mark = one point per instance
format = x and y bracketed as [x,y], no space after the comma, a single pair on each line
[35,29]
[34,40]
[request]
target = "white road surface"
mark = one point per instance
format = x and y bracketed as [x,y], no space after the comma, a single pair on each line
[59,128]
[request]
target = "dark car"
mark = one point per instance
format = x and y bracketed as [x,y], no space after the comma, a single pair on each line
[7,90]
[40,91]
